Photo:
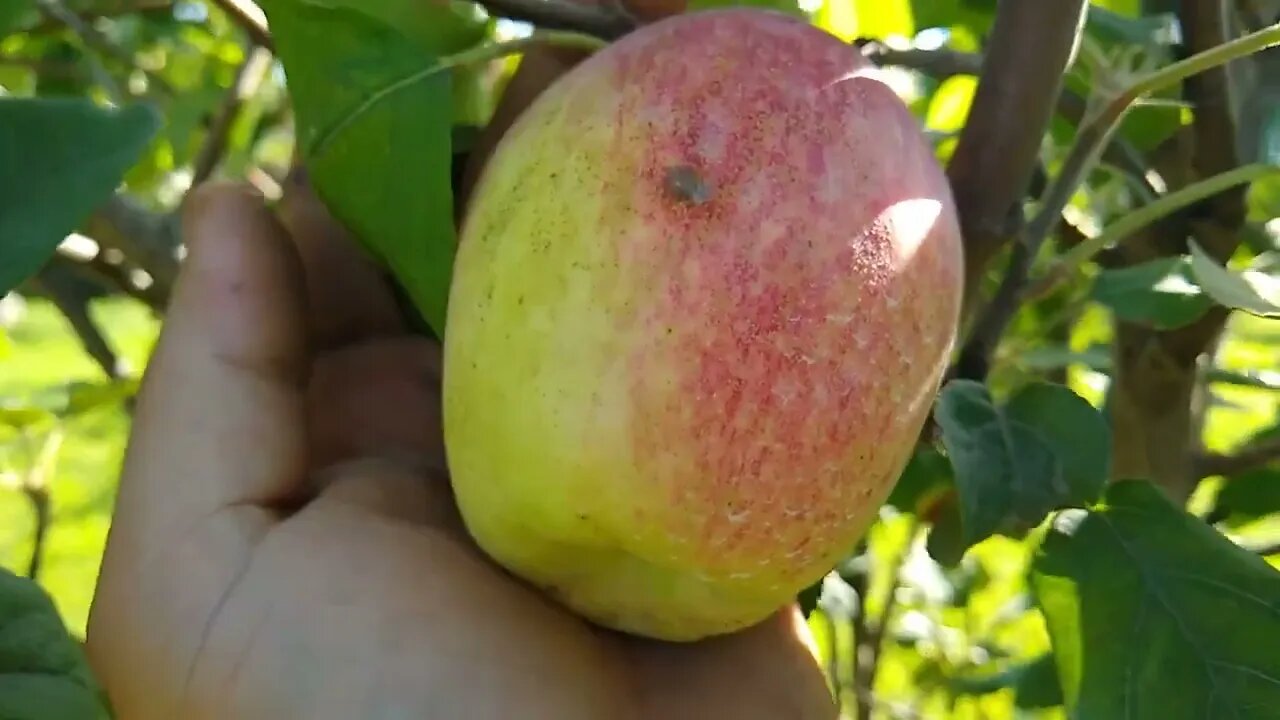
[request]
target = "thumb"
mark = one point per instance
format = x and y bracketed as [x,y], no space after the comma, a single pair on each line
[220,418]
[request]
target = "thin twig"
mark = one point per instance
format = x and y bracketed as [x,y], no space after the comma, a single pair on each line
[39,497]
[1093,136]
[112,275]
[868,635]
[103,9]
[943,63]
[149,240]
[940,64]
[1250,457]
[245,84]
[250,18]
[1022,75]
[606,20]
[72,302]
[36,487]
[1096,131]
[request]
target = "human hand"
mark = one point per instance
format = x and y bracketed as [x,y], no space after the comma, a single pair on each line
[285,543]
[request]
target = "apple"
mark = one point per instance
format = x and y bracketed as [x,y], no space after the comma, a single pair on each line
[705,293]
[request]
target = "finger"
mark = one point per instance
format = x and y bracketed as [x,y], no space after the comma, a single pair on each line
[395,488]
[376,399]
[348,297]
[219,420]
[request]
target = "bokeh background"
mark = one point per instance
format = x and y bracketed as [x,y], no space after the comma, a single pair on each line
[962,642]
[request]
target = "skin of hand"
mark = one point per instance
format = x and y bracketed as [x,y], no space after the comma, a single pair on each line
[285,542]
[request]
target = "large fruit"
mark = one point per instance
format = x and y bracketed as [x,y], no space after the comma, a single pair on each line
[704,296]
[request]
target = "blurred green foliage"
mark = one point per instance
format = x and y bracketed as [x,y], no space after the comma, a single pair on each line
[962,638]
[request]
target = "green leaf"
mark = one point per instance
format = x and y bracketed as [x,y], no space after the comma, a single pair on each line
[1153,614]
[926,478]
[1047,448]
[15,14]
[1161,293]
[1034,683]
[1249,496]
[1264,196]
[949,107]
[1259,379]
[973,16]
[946,543]
[63,157]
[1252,494]
[1254,291]
[1074,429]
[86,397]
[1123,23]
[23,416]
[1053,357]
[440,27]
[43,672]
[789,7]
[374,127]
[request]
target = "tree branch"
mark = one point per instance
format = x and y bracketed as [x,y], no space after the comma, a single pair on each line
[1030,49]
[939,64]
[1153,426]
[1252,456]
[868,636]
[102,9]
[70,297]
[56,12]
[39,497]
[248,77]
[147,239]
[606,20]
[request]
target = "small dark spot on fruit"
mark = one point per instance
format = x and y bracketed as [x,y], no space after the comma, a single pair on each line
[687,185]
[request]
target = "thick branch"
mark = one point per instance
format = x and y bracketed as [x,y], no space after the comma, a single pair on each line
[607,20]
[1030,49]
[1250,457]
[1154,430]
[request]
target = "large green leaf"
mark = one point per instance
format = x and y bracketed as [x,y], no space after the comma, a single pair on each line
[1160,293]
[43,673]
[1046,448]
[61,158]
[441,27]
[1253,290]
[374,121]
[1154,615]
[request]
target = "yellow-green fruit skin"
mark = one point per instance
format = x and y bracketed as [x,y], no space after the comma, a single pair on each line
[704,294]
